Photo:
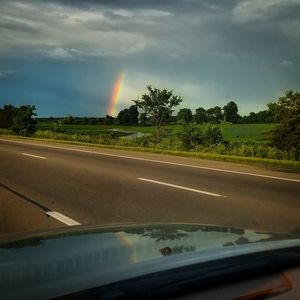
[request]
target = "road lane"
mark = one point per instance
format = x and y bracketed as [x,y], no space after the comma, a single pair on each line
[91,188]
[180,187]
[17,215]
[32,155]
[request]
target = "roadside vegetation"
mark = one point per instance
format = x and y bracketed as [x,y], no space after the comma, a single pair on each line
[149,125]
[20,120]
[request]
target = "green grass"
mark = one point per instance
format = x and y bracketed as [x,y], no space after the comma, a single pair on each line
[241,132]
[232,132]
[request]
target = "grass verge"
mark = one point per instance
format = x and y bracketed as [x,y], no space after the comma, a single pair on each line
[286,164]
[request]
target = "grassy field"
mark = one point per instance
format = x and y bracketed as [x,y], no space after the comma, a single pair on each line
[232,132]
[240,132]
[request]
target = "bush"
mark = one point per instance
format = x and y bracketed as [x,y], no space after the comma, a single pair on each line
[213,135]
[191,136]
[5,131]
[23,121]
[286,136]
[169,144]
[57,127]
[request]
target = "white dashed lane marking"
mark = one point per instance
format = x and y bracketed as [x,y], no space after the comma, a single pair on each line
[181,187]
[35,156]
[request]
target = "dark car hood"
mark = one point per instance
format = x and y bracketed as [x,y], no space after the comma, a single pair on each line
[63,261]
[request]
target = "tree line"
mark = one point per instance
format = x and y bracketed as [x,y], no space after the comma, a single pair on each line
[229,113]
[214,115]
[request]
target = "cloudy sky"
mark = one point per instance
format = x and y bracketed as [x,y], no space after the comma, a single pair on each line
[64,56]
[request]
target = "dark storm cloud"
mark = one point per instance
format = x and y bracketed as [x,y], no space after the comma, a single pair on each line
[216,50]
[191,26]
[17,26]
[134,4]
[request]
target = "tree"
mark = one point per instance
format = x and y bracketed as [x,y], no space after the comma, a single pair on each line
[23,121]
[201,115]
[158,104]
[272,112]
[133,114]
[93,121]
[124,117]
[167,116]
[109,120]
[6,116]
[185,115]
[70,120]
[286,136]
[251,118]
[214,115]
[263,116]
[143,119]
[128,116]
[231,112]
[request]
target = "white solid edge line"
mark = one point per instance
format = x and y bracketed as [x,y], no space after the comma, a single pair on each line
[156,161]
[62,218]
[36,156]
[181,187]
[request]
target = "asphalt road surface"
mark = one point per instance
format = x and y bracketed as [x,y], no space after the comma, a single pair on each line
[45,185]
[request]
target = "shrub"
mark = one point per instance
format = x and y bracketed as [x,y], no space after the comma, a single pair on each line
[286,136]
[23,122]
[57,127]
[191,136]
[213,135]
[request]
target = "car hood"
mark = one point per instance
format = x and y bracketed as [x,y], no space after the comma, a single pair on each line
[65,260]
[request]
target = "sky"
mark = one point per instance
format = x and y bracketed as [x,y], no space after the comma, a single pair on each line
[65,56]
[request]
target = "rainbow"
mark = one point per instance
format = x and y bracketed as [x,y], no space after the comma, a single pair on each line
[123,237]
[112,107]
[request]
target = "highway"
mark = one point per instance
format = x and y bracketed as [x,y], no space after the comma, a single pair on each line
[47,185]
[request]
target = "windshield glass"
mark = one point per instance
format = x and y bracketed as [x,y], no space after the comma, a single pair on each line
[120,115]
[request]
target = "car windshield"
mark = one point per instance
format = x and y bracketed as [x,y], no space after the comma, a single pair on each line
[157,128]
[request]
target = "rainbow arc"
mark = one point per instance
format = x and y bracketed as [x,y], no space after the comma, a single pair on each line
[115,97]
